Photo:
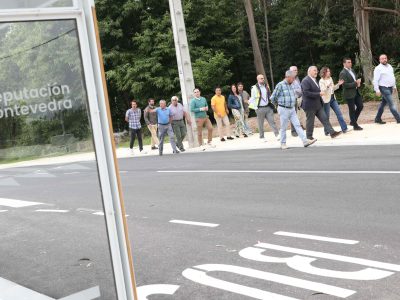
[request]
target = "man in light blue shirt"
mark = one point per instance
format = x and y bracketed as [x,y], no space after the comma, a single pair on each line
[384,84]
[164,117]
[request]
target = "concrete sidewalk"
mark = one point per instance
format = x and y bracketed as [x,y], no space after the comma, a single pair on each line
[373,134]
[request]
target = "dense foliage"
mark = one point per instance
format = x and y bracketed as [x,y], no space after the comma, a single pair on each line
[140,58]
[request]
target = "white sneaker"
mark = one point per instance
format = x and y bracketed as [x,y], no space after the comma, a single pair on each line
[210,145]
[278,137]
[143,152]
[284,147]
[309,142]
[132,152]
[264,140]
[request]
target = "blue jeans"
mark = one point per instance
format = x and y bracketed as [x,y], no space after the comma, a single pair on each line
[286,115]
[335,106]
[387,99]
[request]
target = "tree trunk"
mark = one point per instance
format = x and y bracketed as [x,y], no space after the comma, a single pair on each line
[364,40]
[258,63]
[267,43]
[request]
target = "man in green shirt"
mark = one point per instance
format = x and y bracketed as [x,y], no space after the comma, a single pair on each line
[199,106]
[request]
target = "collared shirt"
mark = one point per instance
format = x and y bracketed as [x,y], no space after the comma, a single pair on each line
[383,76]
[163,115]
[315,81]
[351,73]
[133,116]
[296,85]
[177,111]
[264,95]
[284,94]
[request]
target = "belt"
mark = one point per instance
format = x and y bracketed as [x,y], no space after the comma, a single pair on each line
[386,87]
[177,120]
[285,106]
[163,124]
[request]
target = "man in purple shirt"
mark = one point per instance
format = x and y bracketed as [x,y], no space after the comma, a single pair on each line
[178,123]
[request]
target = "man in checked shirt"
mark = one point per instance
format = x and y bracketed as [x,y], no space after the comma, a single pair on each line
[132,116]
[285,96]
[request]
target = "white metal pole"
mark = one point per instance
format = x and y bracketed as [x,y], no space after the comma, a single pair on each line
[184,64]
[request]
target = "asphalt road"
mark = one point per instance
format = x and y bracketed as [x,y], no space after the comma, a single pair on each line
[347,193]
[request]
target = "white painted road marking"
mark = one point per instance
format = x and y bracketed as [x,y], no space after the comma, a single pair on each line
[3,210]
[194,223]
[353,260]
[156,289]
[203,278]
[53,210]
[99,213]
[71,173]
[17,203]
[12,291]
[280,172]
[316,237]
[303,264]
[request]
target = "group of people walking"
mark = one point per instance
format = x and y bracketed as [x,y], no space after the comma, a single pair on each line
[296,101]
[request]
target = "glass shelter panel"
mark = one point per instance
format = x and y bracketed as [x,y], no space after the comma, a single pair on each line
[53,231]
[20,4]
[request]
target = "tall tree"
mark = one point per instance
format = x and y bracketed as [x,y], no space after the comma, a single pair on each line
[258,62]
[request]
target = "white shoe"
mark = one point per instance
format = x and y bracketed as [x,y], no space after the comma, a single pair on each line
[309,142]
[143,152]
[278,137]
[210,145]
[132,152]
[284,147]
[264,140]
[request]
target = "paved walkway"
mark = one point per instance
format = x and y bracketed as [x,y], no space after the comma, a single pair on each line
[373,134]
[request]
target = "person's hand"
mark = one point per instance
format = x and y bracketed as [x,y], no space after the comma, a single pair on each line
[321,93]
[378,94]
[189,122]
[219,115]
[205,108]
[358,82]
[340,82]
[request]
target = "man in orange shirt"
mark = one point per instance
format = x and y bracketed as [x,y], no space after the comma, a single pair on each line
[221,111]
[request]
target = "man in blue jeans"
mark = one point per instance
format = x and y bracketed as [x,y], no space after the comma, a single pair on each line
[285,96]
[164,117]
[384,83]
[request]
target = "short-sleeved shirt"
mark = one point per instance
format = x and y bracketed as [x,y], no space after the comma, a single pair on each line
[133,116]
[219,103]
[177,111]
[163,115]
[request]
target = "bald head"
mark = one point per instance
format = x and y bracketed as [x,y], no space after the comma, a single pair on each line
[260,79]
[312,71]
[294,70]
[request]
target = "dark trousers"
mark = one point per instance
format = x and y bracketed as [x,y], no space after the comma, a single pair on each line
[355,107]
[320,114]
[138,133]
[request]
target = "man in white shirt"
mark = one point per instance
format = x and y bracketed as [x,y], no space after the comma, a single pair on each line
[384,83]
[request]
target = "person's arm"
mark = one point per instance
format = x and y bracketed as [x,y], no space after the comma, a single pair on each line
[146,116]
[275,94]
[347,84]
[377,75]
[127,116]
[187,117]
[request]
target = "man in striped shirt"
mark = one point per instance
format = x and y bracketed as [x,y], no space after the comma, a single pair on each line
[132,116]
[284,95]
